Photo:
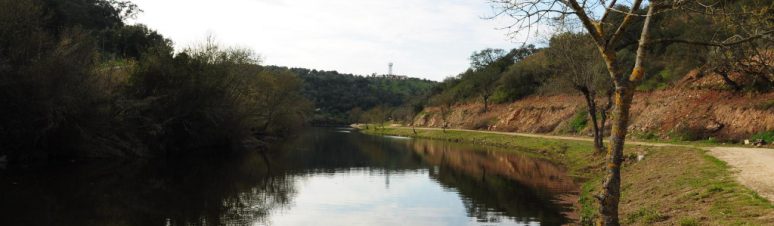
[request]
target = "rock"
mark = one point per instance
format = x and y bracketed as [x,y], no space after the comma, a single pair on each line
[630,158]
[759,142]
[713,126]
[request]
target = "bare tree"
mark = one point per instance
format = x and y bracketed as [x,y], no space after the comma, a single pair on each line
[445,102]
[575,69]
[751,59]
[593,16]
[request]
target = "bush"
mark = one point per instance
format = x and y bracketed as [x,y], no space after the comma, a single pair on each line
[649,135]
[766,136]
[682,133]
[209,96]
[579,121]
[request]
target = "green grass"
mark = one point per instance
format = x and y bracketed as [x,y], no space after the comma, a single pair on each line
[588,204]
[644,215]
[703,181]
[575,155]
[688,222]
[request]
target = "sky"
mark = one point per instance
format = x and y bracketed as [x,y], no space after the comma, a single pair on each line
[429,39]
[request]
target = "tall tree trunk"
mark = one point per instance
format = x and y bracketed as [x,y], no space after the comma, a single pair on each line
[624,93]
[445,114]
[611,193]
[486,104]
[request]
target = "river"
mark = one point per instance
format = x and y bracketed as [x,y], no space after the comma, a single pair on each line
[323,177]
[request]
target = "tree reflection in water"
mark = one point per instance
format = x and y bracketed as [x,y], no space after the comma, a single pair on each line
[234,191]
[253,188]
[519,187]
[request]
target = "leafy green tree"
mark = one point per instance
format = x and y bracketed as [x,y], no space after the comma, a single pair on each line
[377,115]
[281,107]
[95,15]
[488,66]
[484,58]
[334,93]
[355,115]
[131,41]
[523,78]
[52,102]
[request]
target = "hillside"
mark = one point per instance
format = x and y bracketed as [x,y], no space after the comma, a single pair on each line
[335,94]
[683,114]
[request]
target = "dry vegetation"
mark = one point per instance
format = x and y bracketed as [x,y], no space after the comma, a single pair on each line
[679,114]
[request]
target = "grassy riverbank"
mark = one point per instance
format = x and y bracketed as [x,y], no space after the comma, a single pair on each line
[670,186]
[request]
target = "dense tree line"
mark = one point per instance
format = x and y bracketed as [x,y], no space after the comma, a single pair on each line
[75,81]
[336,95]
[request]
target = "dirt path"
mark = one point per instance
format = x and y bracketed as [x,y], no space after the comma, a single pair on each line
[754,167]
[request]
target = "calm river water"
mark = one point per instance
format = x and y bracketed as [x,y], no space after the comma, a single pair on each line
[324,177]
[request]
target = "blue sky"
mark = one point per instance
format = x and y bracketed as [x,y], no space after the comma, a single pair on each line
[424,38]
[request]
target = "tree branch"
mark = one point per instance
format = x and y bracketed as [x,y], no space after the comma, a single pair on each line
[639,73]
[624,24]
[699,43]
[587,21]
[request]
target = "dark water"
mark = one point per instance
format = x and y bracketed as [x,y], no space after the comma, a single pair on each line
[325,177]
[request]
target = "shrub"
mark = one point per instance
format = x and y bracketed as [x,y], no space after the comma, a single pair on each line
[483,123]
[579,121]
[682,133]
[766,136]
[649,135]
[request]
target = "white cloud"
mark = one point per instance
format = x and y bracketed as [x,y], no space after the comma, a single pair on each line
[425,38]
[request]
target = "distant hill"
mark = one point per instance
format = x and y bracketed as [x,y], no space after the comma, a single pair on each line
[334,94]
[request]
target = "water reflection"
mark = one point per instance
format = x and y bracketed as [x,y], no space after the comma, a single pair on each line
[224,192]
[325,177]
[497,186]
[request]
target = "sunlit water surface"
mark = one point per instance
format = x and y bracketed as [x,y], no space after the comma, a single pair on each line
[324,177]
